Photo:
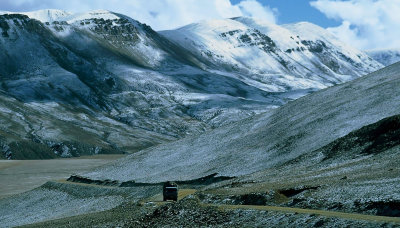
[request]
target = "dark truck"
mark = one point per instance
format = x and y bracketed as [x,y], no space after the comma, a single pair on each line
[170,191]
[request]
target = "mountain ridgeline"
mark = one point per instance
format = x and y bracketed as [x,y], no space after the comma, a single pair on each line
[101,82]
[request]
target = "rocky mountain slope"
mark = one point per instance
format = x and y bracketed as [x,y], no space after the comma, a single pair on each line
[100,71]
[42,72]
[267,140]
[109,70]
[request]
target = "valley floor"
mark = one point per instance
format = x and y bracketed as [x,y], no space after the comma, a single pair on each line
[19,176]
[237,202]
[334,186]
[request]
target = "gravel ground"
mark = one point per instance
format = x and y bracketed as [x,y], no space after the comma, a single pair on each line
[56,200]
[190,213]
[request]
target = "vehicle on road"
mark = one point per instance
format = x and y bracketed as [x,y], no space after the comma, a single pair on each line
[170,191]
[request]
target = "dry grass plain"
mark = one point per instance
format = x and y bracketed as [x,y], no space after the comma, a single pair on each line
[18,176]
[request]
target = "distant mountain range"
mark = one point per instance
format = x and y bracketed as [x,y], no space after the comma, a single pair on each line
[271,57]
[386,57]
[101,82]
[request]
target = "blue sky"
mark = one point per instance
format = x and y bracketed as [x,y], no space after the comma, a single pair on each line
[291,11]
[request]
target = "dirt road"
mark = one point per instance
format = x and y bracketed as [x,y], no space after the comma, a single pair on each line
[158,199]
[316,212]
[185,192]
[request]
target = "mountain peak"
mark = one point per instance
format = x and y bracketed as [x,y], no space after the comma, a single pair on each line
[50,15]
[213,25]
[44,15]
[93,14]
[253,21]
[309,30]
[305,24]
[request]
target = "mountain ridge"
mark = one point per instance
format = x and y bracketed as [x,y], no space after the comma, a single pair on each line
[273,55]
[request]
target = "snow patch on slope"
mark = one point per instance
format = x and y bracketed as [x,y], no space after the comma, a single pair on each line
[94,14]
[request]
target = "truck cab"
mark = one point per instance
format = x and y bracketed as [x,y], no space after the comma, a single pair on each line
[170,191]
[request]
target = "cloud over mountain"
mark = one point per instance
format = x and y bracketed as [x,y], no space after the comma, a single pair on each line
[366,24]
[160,14]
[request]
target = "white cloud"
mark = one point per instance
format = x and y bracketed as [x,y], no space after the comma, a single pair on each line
[366,24]
[254,9]
[160,14]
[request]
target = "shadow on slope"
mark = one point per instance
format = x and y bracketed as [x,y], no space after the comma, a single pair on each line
[207,180]
[371,139]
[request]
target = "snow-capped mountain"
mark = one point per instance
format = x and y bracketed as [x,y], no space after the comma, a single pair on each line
[386,57]
[45,15]
[120,71]
[272,57]
[107,66]
[50,15]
